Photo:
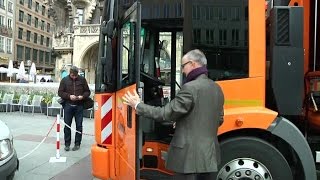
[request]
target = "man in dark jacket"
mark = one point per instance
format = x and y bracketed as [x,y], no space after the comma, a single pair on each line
[74,90]
[197,110]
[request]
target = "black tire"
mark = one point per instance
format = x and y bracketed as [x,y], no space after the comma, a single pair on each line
[11,176]
[257,150]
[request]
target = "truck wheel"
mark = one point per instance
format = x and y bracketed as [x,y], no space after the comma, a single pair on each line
[252,158]
[11,176]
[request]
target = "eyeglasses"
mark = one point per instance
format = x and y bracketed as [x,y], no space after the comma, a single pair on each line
[183,65]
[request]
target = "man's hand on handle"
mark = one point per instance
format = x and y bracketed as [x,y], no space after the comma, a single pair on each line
[131,99]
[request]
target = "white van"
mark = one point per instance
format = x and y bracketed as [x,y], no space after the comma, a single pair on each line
[9,162]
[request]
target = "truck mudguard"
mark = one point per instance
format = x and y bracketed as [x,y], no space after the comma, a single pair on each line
[287,131]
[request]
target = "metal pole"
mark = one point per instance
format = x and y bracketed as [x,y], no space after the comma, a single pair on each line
[315,35]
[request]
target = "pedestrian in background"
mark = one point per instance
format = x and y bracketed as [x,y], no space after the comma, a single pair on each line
[42,79]
[197,111]
[73,90]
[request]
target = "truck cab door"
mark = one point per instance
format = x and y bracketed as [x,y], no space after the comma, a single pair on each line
[128,77]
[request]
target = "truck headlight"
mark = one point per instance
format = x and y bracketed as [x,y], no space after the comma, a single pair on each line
[5,149]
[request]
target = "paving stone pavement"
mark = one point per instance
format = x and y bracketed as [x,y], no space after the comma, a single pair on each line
[29,130]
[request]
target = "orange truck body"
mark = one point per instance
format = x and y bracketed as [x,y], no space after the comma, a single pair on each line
[114,154]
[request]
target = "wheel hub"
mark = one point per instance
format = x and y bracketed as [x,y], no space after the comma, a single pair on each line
[244,169]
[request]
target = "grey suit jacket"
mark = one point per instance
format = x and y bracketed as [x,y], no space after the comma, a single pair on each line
[197,110]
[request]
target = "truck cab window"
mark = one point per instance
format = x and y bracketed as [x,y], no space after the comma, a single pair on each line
[128,53]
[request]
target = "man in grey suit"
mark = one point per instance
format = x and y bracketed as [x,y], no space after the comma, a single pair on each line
[197,110]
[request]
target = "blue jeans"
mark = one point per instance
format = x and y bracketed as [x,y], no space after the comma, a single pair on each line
[71,111]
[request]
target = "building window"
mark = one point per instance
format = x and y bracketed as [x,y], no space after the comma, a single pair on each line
[246,39]
[235,37]
[2,20]
[28,35]
[222,37]
[20,33]
[21,2]
[20,52]
[41,40]
[41,57]
[28,53]
[47,58]
[210,36]
[36,22]
[48,27]
[35,38]
[21,16]
[49,13]
[29,19]
[1,44]
[166,10]
[156,11]
[222,13]
[2,4]
[209,13]
[196,12]
[42,25]
[178,9]
[37,7]
[30,4]
[9,23]
[80,16]
[9,46]
[196,36]
[235,14]
[10,6]
[35,55]
[48,42]
[43,10]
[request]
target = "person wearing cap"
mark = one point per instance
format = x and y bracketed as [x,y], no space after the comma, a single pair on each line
[73,90]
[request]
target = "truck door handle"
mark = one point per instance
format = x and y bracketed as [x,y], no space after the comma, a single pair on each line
[129,117]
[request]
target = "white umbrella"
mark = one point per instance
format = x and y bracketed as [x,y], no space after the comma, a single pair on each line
[3,70]
[15,70]
[10,69]
[33,71]
[22,71]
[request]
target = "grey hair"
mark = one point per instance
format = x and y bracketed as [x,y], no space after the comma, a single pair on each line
[74,70]
[197,56]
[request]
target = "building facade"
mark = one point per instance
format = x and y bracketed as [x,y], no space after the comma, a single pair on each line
[76,36]
[7,27]
[33,35]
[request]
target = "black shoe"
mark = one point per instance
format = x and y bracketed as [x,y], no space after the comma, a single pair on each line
[67,148]
[76,148]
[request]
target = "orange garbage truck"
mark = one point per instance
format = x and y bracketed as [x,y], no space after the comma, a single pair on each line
[262,53]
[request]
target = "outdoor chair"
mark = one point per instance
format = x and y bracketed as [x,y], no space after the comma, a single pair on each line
[91,112]
[55,105]
[6,100]
[91,109]
[36,102]
[23,100]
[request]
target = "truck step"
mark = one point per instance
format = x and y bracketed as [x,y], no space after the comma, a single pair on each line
[148,174]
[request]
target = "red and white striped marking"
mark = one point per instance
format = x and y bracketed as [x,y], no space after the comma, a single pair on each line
[58,158]
[106,120]
[58,137]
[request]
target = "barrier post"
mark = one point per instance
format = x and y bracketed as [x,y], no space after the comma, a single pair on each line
[58,158]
